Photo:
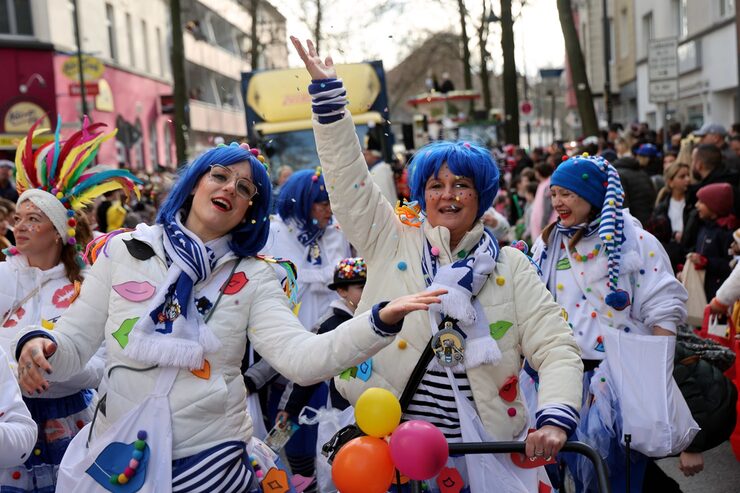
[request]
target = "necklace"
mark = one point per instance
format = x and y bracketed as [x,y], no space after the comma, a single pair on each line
[589,256]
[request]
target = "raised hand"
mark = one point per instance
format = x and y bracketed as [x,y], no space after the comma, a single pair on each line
[317,68]
[393,312]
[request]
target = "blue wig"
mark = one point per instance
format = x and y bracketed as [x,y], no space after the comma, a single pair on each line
[298,194]
[247,238]
[464,159]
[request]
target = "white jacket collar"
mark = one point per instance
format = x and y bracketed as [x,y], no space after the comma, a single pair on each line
[440,237]
[20,263]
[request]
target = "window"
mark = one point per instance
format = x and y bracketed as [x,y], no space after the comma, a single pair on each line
[130,36]
[725,8]
[160,58]
[145,41]
[153,147]
[15,17]
[110,21]
[624,48]
[647,32]
[683,19]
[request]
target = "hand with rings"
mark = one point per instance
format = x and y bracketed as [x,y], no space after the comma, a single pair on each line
[545,442]
[32,363]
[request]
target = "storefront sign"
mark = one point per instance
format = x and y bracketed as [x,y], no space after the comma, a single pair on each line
[22,115]
[92,68]
[11,141]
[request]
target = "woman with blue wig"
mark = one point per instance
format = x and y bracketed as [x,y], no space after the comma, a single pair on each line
[303,231]
[456,366]
[175,304]
[617,288]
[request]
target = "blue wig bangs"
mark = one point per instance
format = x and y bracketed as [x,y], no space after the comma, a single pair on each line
[247,238]
[298,195]
[464,159]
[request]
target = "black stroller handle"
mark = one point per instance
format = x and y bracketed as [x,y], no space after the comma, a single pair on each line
[509,447]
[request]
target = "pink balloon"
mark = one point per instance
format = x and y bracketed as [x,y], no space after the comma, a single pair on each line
[419,450]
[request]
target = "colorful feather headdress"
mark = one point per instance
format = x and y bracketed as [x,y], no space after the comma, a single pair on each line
[60,178]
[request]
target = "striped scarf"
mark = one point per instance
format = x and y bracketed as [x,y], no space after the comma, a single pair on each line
[174,333]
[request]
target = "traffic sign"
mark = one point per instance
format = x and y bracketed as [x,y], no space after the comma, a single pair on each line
[91,89]
[663,59]
[663,91]
[525,108]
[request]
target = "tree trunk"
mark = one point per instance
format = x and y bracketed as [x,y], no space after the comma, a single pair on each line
[589,124]
[178,79]
[511,97]
[317,26]
[467,72]
[485,81]
[254,49]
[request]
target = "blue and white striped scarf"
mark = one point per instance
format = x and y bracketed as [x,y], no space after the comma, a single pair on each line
[181,340]
[463,280]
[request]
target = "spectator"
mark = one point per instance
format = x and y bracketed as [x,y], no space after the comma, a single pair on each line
[735,144]
[380,171]
[714,134]
[523,161]
[639,193]
[542,212]
[729,292]
[667,221]
[7,186]
[283,173]
[714,208]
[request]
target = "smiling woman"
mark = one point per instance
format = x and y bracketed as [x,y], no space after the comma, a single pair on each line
[495,310]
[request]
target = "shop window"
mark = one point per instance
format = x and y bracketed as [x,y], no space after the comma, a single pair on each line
[110,21]
[15,17]
[130,38]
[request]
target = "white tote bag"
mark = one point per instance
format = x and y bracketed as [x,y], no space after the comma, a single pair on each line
[693,280]
[653,409]
[86,467]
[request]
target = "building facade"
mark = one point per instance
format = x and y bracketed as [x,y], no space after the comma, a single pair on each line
[707,59]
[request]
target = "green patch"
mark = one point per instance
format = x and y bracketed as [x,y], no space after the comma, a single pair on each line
[121,335]
[563,264]
[349,373]
[498,329]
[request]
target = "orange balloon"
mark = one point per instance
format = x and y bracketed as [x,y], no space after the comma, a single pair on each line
[363,465]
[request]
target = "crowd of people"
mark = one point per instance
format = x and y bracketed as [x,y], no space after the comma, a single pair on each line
[197,330]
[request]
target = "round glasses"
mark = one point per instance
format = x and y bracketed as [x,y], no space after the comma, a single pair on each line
[222,175]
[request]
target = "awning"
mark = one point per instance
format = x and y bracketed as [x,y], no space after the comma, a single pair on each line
[266,128]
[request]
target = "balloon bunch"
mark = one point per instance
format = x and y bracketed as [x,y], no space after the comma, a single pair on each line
[367,464]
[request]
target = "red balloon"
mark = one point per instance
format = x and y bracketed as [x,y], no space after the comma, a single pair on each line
[363,465]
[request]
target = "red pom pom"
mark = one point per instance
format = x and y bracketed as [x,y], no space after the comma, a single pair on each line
[254,152]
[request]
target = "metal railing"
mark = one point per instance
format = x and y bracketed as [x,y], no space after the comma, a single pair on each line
[510,447]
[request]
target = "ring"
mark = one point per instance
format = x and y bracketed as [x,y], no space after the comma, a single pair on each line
[539,454]
[28,366]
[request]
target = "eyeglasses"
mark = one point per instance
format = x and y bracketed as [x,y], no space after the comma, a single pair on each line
[221,175]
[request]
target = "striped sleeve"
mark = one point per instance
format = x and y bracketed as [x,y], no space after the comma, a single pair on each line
[560,415]
[329,99]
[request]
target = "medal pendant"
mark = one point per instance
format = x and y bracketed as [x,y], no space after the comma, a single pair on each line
[449,345]
[171,309]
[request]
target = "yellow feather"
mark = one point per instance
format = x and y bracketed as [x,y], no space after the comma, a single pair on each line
[89,196]
[69,162]
[21,179]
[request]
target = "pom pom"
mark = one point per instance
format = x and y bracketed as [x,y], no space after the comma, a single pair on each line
[122,479]
[244,146]
[261,158]
[133,464]
[435,251]
[254,152]
[71,232]
[314,178]
[70,213]
[71,223]
[59,195]
[619,299]
[141,435]
[71,241]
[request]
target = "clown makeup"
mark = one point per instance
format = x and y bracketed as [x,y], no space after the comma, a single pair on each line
[321,214]
[452,202]
[570,207]
[34,232]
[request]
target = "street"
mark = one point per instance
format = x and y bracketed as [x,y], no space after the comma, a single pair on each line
[721,472]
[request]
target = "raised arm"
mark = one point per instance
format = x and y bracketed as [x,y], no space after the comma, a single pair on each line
[366,217]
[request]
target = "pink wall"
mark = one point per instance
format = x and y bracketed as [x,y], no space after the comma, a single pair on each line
[134,97]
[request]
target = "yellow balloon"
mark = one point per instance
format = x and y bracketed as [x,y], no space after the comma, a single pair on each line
[377,412]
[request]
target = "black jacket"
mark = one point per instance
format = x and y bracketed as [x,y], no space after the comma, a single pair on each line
[639,194]
[660,226]
[713,242]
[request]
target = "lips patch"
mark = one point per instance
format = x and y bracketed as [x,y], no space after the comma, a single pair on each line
[235,283]
[64,296]
[135,291]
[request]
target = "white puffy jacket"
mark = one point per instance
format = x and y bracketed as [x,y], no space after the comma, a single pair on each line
[513,298]
[17,429]
[208,409]
[43,308]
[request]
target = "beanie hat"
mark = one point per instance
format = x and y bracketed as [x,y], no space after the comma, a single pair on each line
[597,182]
[718,197]
[349,271]
[58,177]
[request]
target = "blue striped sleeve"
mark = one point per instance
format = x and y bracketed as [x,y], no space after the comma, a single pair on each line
[563,416]
[329,99]
[381,328]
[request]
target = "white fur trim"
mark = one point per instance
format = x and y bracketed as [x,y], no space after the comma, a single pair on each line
[50,206]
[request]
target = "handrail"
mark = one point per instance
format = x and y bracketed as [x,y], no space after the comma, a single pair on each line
[509,447]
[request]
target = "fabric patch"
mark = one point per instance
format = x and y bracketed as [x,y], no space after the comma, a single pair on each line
[508,390]
[236,282]
[138,249]
[121,335]
[114,459]
[365,369]
[498,329]
[13,320]
[275,481]
[135,291]
[563,264]
[205,372]
[523,462]
[64,296]
[450,480]
[203,304]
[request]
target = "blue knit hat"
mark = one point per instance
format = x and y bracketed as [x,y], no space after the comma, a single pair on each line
[582,175]
[597,182]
